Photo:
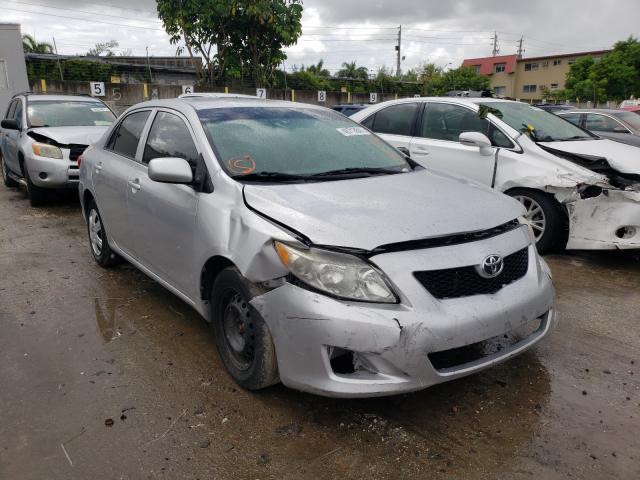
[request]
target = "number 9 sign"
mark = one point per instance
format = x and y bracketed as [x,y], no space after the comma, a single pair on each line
[97,89]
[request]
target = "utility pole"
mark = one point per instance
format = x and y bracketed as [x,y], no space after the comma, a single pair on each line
[58,58]
[496,48]
[398,46]
[149,66]
[520,49]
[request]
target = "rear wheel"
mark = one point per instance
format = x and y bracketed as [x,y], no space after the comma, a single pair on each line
[545,216]
[9,182]
[37,195]
[242,336]
[98,242]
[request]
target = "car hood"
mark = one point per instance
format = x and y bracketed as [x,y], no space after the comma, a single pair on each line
[369,212]
[69,135]
[623,158]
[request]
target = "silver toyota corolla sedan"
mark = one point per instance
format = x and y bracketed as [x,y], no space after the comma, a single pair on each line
[323,257]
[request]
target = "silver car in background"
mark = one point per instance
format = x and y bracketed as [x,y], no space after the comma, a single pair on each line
[323,257]
[42,136]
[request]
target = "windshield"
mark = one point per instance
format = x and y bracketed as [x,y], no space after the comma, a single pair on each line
[61,113]
[541,126]
[630,119]
[294,141]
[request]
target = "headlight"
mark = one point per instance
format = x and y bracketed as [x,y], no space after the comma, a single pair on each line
[46,150]
[339,274]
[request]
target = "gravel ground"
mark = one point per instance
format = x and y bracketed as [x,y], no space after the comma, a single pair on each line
[105,374]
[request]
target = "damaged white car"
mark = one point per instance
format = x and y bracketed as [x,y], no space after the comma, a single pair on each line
[322,257]
[580,191]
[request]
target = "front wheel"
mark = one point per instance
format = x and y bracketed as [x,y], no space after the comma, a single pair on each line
[548,221]
[243,339]
[8,181]
[100,249]
[37,195]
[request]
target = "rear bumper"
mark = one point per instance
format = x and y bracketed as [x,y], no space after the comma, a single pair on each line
[391,344]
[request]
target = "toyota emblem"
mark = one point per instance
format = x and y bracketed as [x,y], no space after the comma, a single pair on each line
[491,266]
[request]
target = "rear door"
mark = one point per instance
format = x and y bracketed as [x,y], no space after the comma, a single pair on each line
[436,144]
[113,168]
[606,126]
[163,215]
[395,124]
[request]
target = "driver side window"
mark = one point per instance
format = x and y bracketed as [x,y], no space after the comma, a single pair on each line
[444,121]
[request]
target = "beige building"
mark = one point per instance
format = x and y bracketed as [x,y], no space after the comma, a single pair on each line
[526,78]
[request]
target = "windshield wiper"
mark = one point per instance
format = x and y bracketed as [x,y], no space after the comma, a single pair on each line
[359,170]
[271,177]
[575,137]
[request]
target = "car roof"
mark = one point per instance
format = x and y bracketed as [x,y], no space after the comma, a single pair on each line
[38,97]
[610,111]
[205,103]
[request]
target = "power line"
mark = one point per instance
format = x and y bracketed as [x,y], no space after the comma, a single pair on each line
[78,11]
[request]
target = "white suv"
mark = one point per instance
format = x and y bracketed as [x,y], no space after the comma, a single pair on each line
[580,191]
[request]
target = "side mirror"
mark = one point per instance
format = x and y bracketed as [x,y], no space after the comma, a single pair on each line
[477,139]
[405,151]
[170,170]
[620,130]
[10,124]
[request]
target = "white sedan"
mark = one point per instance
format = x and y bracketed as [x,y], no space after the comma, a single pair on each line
[580,191]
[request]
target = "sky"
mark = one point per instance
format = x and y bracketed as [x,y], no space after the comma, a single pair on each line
[439,31]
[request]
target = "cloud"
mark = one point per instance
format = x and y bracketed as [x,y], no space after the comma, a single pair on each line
[361,30]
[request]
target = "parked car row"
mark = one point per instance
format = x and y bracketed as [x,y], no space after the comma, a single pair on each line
[322,256]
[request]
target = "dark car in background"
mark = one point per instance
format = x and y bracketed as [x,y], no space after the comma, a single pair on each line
[554,107]
[349,109]
[619,125]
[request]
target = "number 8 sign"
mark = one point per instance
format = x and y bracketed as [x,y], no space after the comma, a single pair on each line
[322,96]
[97,89]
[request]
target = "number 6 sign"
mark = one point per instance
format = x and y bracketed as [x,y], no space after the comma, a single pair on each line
[97,89]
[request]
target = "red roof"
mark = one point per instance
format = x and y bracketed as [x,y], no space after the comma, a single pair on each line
[487,64]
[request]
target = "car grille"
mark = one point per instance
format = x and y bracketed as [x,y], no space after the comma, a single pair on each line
[76,151]
[466,281]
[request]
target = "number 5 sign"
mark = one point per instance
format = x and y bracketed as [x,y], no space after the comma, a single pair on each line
[261,93]
[97,89]
[322,96]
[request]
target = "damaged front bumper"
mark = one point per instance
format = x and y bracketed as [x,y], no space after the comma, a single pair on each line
[349,349]
[608,221]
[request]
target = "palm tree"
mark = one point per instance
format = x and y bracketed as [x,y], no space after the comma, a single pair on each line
[318,70]
[30,45]
[351,70]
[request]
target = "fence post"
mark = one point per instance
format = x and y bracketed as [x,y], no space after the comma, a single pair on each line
[43,85]
[226,89]
[293,95]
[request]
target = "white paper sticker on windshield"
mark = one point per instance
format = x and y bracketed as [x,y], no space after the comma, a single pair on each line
[99,109]
[353,131]
[102,123]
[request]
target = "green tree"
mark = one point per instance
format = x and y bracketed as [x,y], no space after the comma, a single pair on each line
[30,45]
[241,37]
[318,70]
[463,78]
[351,70]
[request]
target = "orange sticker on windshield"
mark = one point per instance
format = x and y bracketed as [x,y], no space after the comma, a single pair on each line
[243,165]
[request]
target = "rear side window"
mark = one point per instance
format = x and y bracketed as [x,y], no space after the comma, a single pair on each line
[170,137]
[395,120]
[125,140]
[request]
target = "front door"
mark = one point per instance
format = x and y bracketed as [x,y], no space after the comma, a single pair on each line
[162,215]
[436,143]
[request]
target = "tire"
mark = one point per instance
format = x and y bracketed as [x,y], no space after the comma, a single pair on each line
[37,195]
[243,339]
[9,182]
[98,240]
[548,220]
